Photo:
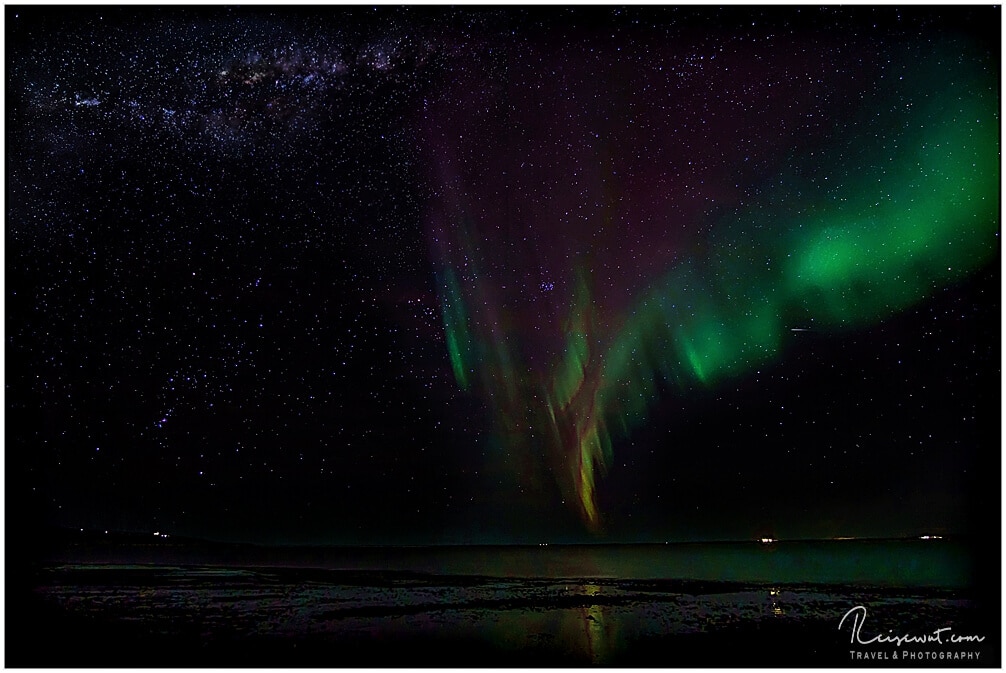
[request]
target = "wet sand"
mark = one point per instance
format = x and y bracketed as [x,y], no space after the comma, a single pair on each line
[179,615]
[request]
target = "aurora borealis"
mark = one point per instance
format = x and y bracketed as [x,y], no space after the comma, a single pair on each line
[374,335]
[597,250]
[451,275]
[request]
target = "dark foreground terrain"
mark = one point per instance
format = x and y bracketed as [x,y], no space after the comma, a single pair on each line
[394,608]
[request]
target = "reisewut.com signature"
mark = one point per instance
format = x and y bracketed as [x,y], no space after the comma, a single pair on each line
[855,618]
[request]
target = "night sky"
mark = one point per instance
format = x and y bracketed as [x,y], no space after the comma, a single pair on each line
[429,275]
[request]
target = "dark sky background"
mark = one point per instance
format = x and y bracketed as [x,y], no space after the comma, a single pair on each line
[222,308]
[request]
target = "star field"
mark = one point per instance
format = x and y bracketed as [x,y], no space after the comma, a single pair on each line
[304,275]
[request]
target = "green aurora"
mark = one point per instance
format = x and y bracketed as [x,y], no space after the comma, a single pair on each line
[852,233]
